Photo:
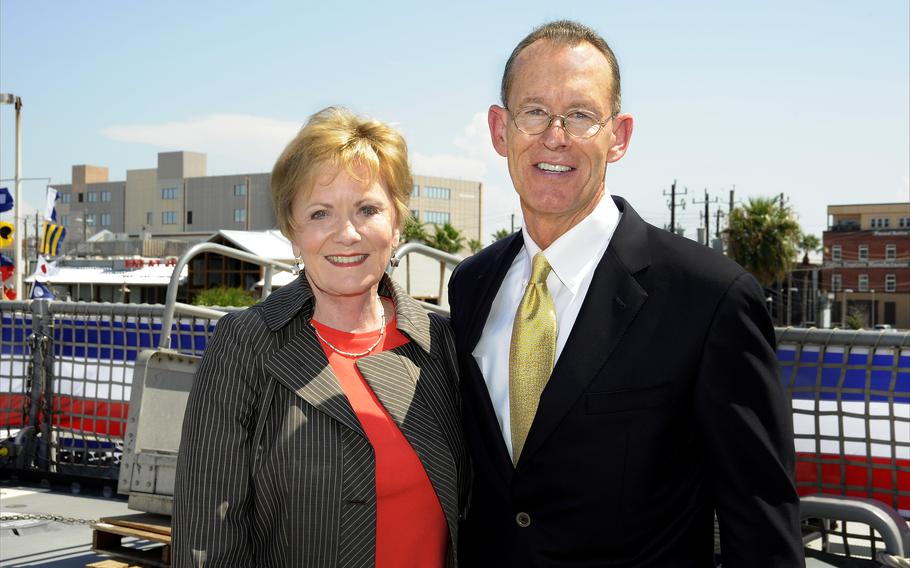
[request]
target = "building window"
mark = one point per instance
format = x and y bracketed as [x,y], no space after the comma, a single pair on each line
[890,282]
[65,220]
[91,197]
[905,223]
[836,253]
[169,193]
[65,197]
[239,189]
[890,252]
[880,222]
[90,220]
[415,190]
[148,217]
[436,192]
[168,217]
[105,219]
[105,197]
[239,215]
[836,282]
[863,253]
[189,217]
[79,197]
[862,282]
[435,217]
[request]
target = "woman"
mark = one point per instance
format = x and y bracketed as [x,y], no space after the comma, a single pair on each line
[322,427]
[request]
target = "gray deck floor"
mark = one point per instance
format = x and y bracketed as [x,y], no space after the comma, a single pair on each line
[45,543]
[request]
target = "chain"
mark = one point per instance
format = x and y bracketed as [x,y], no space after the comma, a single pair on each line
[45,517]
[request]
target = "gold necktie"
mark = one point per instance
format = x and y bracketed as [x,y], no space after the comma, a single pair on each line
[532,352]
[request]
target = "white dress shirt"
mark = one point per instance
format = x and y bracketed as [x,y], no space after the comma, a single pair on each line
[573,258]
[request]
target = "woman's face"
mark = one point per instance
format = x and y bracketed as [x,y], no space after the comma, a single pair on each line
[345,231]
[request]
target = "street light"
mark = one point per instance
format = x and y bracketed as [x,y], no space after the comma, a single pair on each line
[10,99]
[843,314]
[789,303]
[873,309]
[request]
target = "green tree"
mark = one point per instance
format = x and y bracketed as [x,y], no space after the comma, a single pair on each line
[501,234]
[224,296]
[414,232]
[808,243]
[447,239]
[763,237]
[475,246]
[855,319]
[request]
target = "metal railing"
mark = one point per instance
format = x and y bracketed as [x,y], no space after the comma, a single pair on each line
[171,303]
[66,374]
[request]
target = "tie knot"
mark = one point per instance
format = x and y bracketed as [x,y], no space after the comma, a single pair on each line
[540,269]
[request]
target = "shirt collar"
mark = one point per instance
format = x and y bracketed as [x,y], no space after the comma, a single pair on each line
[572,255]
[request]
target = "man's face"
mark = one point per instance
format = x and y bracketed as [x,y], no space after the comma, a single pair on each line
[558,177]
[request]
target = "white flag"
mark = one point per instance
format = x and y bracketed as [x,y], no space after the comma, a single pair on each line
[43,268]
[49,204]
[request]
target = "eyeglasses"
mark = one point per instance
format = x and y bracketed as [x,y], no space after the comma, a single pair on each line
[577,123]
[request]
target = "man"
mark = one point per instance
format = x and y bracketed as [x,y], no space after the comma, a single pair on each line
[619,382]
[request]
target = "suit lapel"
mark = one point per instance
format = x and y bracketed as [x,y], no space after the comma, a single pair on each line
[485,289]
[487,285]
[612,302]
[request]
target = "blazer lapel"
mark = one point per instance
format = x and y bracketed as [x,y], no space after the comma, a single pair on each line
[612,301]
[415,401]
[300,363]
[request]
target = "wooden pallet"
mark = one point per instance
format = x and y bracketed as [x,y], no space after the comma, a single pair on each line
[108,534]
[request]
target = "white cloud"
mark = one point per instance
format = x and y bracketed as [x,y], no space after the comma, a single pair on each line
[234,143]
[477,161]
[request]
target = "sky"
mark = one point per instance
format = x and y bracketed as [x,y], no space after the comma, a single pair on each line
[810,99]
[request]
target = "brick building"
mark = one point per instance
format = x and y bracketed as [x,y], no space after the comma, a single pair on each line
[867,263]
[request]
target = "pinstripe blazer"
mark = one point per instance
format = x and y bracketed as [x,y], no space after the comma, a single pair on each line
[274,467]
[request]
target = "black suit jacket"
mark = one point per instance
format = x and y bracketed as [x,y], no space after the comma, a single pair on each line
[664,406]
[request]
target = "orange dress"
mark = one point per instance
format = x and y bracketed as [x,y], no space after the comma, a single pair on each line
[411,530]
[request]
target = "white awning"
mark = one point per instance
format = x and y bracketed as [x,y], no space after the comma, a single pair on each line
[159,275]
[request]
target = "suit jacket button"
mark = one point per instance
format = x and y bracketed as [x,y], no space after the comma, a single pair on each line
[523,519]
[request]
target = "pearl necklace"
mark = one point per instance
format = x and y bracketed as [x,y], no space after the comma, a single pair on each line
[348,353]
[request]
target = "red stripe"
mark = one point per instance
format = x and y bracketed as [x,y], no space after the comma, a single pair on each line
[76,414]
[12,410]
[89,415]
[875,477]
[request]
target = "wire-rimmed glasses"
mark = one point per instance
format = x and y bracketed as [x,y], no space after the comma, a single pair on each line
[577,123]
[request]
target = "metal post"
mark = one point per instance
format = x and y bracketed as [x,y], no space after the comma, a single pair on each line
[267,281]
[872,325]
[43,357]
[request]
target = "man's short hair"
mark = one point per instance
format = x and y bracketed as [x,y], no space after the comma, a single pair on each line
[571,34]
[338,138]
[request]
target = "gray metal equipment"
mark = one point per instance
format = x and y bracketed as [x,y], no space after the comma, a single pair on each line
[161,385]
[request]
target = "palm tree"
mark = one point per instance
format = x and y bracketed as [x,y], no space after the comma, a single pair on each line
[500,234]
[808,243]
[414,231]
[475,246]
[763,237]
[447,239]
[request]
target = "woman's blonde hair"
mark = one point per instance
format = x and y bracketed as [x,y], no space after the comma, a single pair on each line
[338,138]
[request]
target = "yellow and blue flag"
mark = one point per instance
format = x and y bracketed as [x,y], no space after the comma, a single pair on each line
[53,236]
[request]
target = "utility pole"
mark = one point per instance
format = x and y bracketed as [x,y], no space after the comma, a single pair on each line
[513,224]
[672,204]
[781,200]
[718,214]
[732,191]
[707,216]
